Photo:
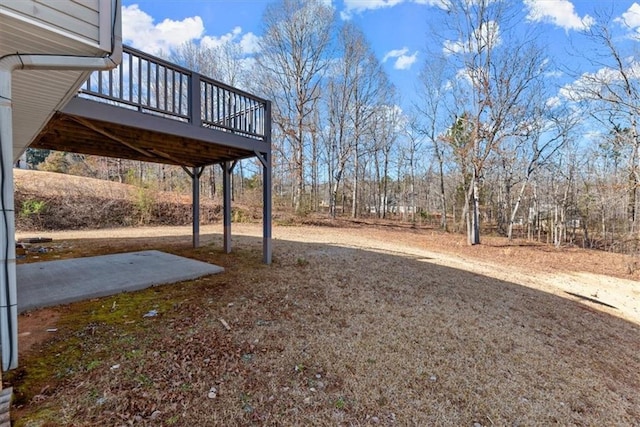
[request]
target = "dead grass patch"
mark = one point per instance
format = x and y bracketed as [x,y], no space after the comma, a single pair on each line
[362,331]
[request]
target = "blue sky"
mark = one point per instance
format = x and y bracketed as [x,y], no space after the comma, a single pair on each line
[396,29]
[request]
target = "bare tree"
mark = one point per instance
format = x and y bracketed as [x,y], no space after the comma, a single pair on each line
[356,84]
[196,57]
[611,95]
[224,62]
[434,87]
[294,57]
[497,70]
[411,155]
[543,139]
[383,133]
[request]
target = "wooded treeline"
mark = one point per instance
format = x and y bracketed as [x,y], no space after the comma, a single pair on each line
[501,139]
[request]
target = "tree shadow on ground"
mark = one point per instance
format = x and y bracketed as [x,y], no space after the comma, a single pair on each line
[341,335]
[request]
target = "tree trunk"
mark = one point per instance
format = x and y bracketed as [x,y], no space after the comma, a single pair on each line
[119,171]
[354,205]
[443,197]
[472,206]
[212,181]
[475,238]
[334,195]
[378,198]
[241,178]
[516,206]
[385,173]
[314,173]
[299,191]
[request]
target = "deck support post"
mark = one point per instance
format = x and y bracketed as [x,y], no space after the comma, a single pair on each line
[227,170]
[266,209]
[265,159]
[266,188]
[195,173]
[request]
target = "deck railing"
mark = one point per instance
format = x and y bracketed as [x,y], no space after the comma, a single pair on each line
[152,85]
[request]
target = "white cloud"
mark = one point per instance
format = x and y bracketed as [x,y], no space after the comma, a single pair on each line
[359,6]
[139,31]
[631,20]
[600,82]
[217,41]
[553,102]
[554,74]
[488,35]
[631,17]
[395,53]
[403,60]
[451,47]
[557,12]
[249,42]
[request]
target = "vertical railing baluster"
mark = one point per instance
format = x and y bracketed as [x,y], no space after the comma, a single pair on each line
[214,104]
[245,112]
[218,106]
[173,91]
[165,88]
[234,112]
[206,106]
[159,86]
[239,112]
[178,94]
[217,118]
[228,112]
[110,74]
[148,83]
[139,82]
[131,78]
[234,123]
[156,91]
[211,105]
[185,91]
[221,103]
[227,106]
[120,70]
[170,87]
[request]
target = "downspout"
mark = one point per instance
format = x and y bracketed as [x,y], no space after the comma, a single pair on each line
[9,63]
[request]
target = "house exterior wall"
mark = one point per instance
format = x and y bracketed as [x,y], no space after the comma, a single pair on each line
[81,28]
[82,20]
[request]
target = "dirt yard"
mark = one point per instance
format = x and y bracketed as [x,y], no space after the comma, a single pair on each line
[351,325]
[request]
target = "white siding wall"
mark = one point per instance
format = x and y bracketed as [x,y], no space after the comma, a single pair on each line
[77,18]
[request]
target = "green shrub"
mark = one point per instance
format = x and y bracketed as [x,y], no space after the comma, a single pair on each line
[33,207]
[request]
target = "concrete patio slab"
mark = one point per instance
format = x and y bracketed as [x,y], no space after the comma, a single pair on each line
[49,283]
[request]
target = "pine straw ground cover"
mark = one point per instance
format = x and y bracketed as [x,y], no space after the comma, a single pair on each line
[347,327]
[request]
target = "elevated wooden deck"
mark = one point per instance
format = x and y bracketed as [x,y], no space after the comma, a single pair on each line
[152,110]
